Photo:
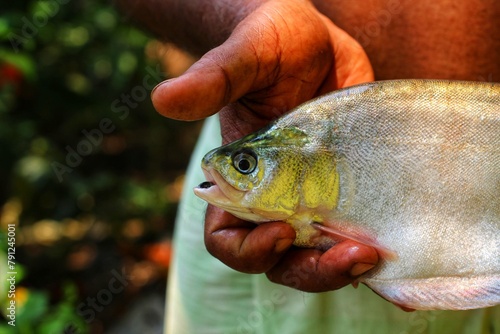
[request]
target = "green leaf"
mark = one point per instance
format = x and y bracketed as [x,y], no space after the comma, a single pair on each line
[4,28]
[34,308]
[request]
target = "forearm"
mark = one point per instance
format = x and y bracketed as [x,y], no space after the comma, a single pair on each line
[194,25]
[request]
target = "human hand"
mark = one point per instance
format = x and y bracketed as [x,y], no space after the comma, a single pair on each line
[282,54]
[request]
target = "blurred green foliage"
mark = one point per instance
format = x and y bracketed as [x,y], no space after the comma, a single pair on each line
[67,66]
[34,314]
[73,72]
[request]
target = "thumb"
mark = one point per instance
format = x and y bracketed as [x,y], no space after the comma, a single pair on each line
[220,77]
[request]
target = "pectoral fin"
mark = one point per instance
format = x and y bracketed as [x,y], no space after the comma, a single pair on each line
[340,234]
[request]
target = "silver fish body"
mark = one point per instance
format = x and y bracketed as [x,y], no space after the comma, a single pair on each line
[419,177]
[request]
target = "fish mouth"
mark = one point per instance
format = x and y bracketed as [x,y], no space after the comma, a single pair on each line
[217,191]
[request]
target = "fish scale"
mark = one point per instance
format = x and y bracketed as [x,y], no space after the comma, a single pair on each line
[417,166]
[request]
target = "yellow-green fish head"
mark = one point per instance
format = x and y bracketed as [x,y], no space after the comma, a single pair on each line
[278,173]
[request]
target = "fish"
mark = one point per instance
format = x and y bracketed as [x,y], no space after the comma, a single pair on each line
[410,167]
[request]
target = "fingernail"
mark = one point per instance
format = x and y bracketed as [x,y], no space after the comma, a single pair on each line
[158,85]
[360,268]
[282,244]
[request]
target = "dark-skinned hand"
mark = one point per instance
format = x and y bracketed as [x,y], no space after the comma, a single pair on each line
[281,55]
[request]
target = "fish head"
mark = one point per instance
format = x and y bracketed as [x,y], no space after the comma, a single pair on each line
[273,174]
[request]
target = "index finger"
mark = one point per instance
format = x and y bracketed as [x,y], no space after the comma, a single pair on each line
[245,246]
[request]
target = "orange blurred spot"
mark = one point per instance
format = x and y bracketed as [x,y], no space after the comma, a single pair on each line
[22,295]
[159,253]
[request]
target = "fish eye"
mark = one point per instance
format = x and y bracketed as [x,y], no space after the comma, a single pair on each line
[244,161]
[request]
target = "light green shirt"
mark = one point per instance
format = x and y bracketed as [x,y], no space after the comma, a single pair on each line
[205,296]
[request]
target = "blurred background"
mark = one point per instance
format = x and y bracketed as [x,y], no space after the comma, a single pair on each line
[91,174]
